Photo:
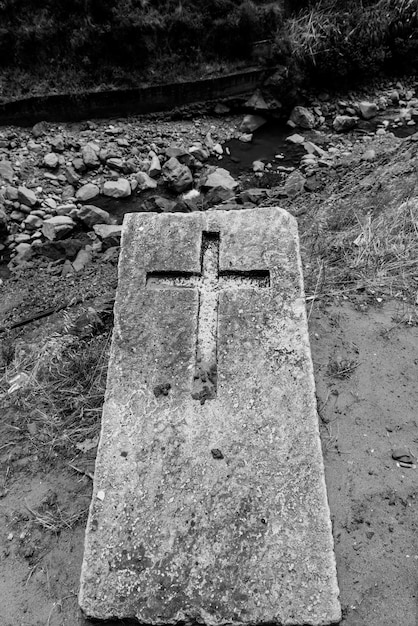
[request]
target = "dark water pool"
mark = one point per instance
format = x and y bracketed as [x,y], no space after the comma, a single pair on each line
[267,142]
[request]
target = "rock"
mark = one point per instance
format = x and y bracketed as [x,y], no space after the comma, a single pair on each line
[51,160]
[217,195]
[155,166]
[344,123]
[6,171]
[90,215]
[66,249]
[394,96]
[22,237]
[181,154]
[71,175]
[57,143]
[79,165]
[369,155]
[219,177]
[23,252]
[255,196]
[250,123]
[90,155]
[158,204]
[246,138]
[294,184]
[302,117]
[199,152]
[40,129]
[145,181]
[57,227]
[258,166]
[368,110]
[312,148]
[82,259]
[33,222]
[177,175]
[3,223]
[87,192]
[26,196]
[257,102]
[116,164]
[108,233]
[217,149]
[295,138]
[117,188]
[221,109]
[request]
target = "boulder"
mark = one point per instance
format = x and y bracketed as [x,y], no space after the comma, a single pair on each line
[246,138]
[57,227]
[145,181]
[26,196]
[368,110]
[250,123]
[302,117]
[117,188]
[90,155]
[219,177]
[90,215]
[51,160]
[177,175]
[6,171]
[87,192]
[344,123]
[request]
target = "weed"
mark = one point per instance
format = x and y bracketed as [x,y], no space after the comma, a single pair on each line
[60,384]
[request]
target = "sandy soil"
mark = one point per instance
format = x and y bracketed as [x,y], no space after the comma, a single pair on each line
[365,359]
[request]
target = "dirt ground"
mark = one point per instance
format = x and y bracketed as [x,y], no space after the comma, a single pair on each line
[366,361]
[365,352]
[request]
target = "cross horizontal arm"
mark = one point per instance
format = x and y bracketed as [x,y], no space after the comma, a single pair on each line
[156,280]
[237,279]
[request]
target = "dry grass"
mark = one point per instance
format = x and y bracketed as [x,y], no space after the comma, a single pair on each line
[377,253]
[59,385]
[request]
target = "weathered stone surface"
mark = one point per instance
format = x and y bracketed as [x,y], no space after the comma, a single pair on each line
[209,500]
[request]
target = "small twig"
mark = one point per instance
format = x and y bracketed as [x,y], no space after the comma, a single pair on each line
[80,471]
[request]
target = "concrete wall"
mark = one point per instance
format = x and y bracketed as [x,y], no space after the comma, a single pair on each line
[73,107]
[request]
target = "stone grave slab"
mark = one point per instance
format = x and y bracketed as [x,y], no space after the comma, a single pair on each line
[209,501]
